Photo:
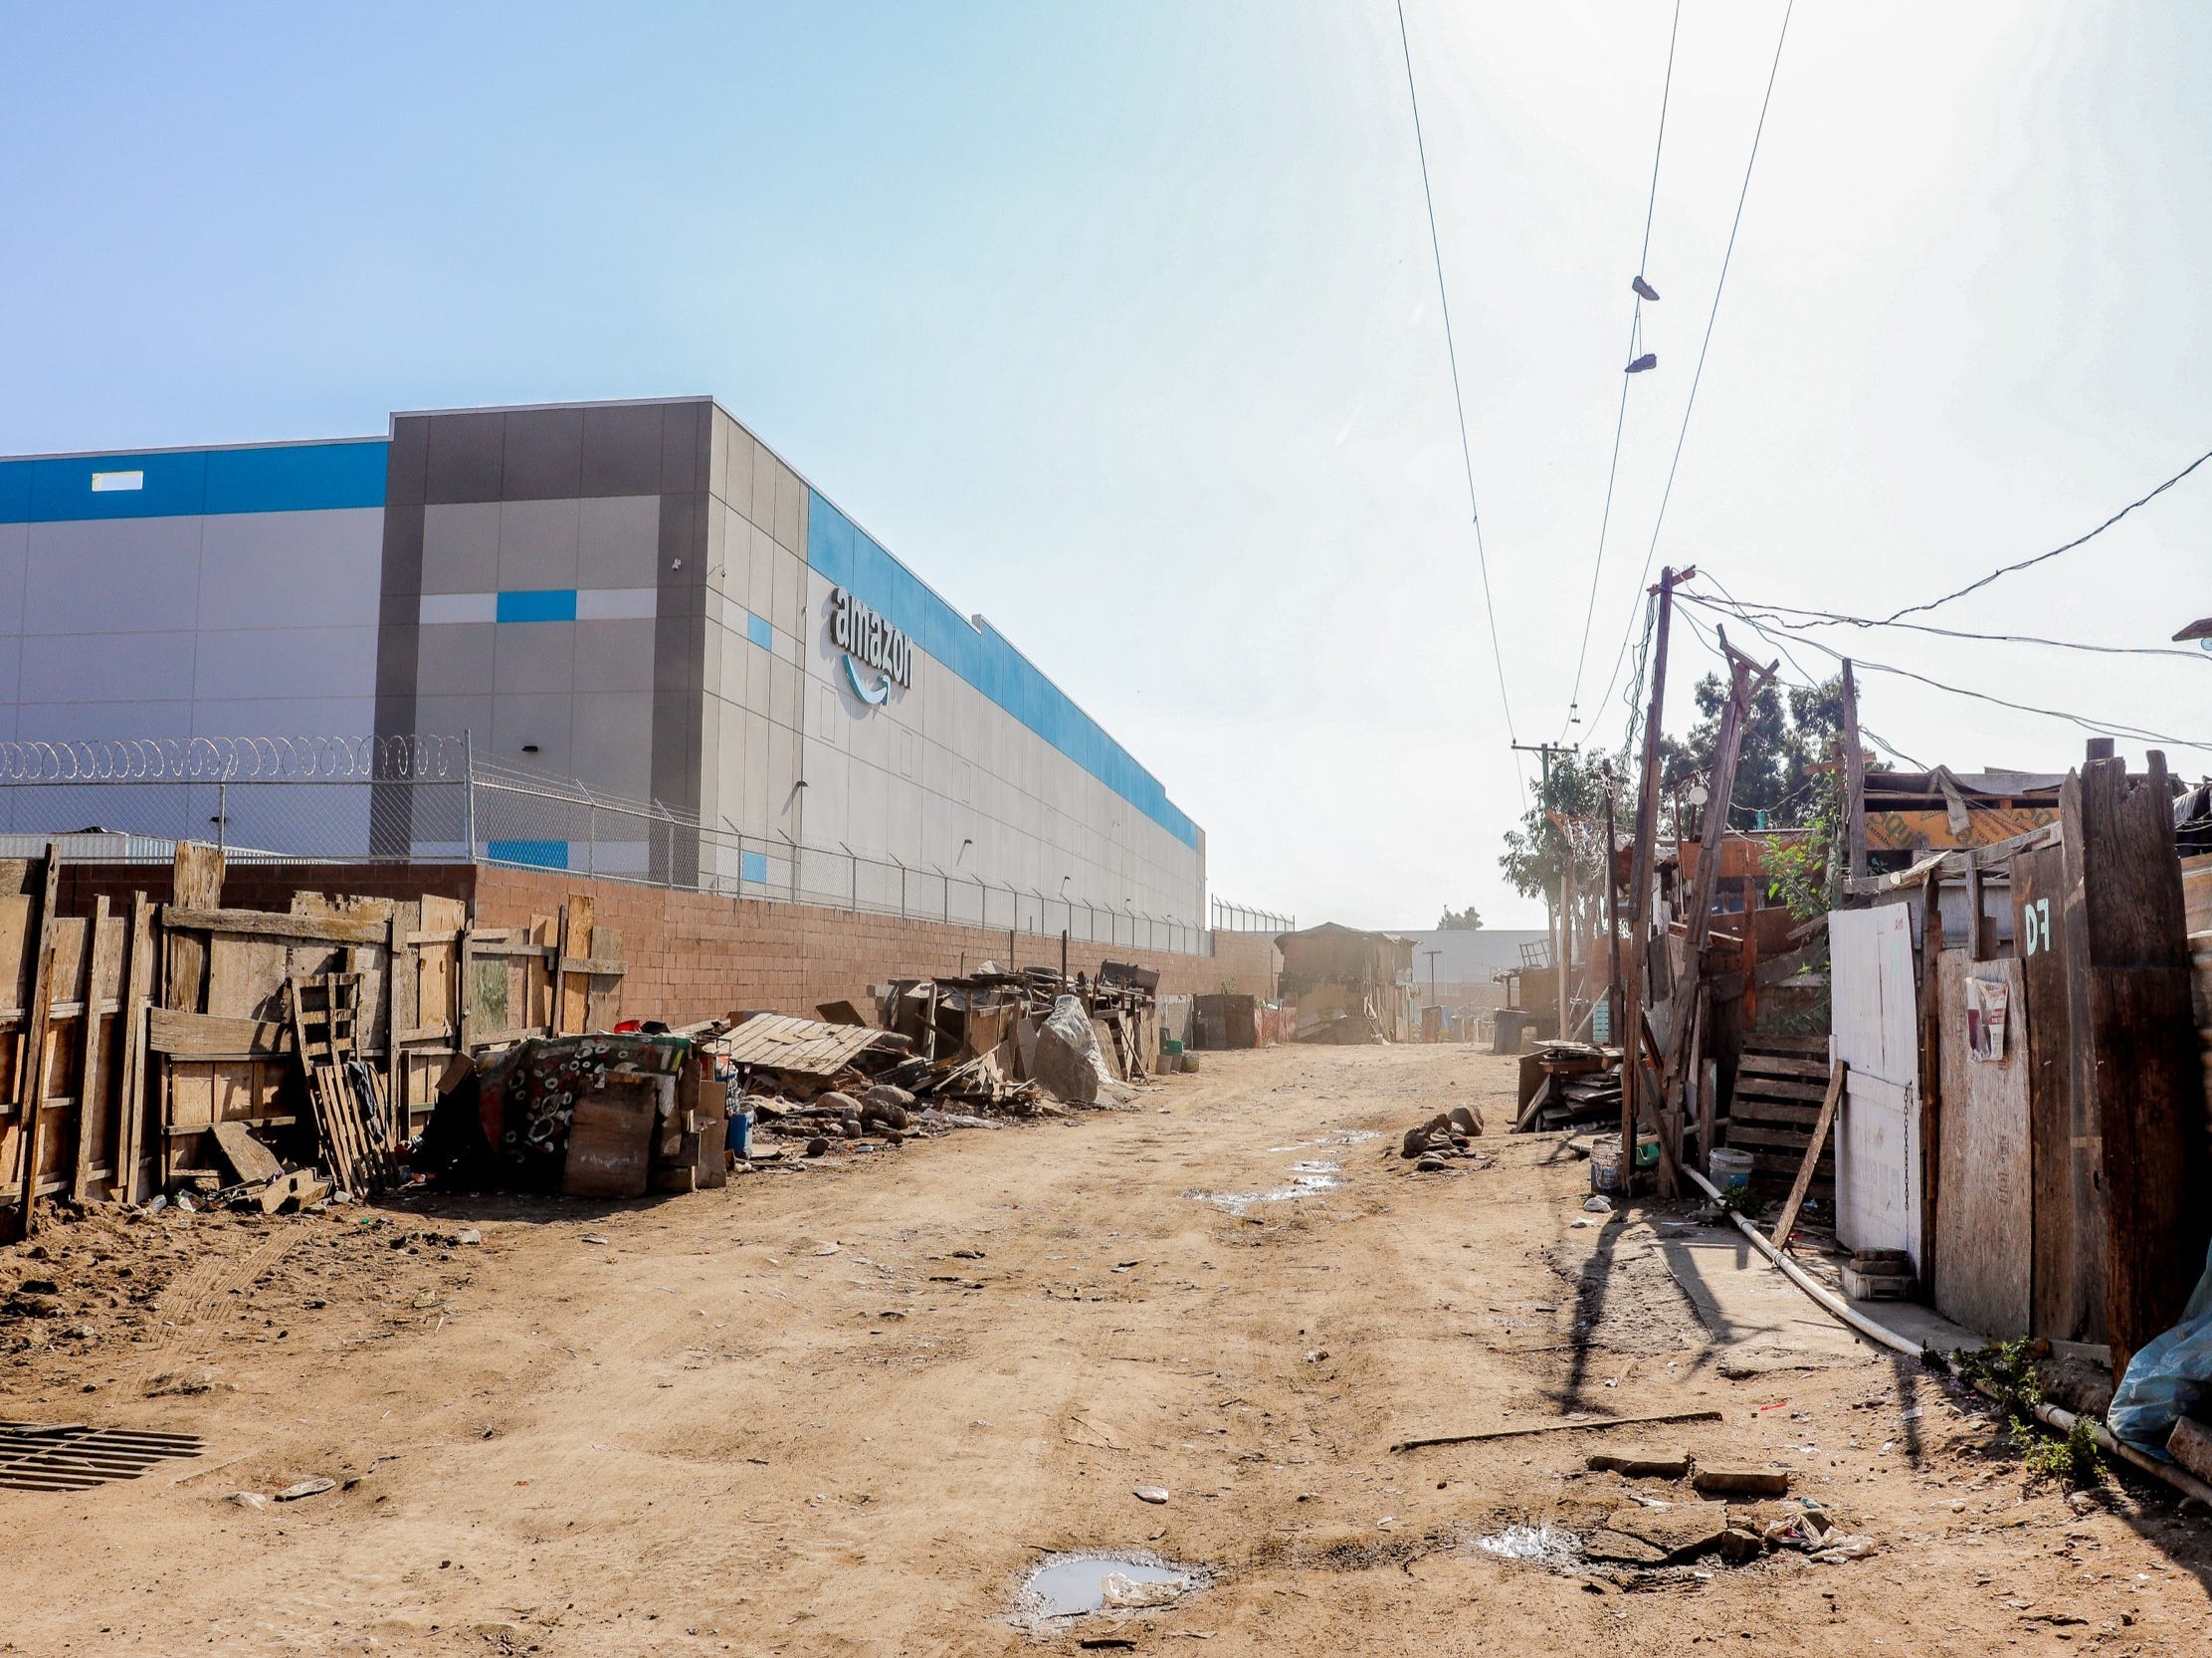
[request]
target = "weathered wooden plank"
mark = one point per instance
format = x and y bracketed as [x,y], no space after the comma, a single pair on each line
[571,994]
[92,1084]
[1985,1247]
[1771,1088]
[1813,1146]
[604,973]
[132,1096]
[399,1011]
[195,883]
[1755,1064]
[2057,1307]
[264,924]
[30,1071]
[214,1036]
[2140,1038]
[249,1159]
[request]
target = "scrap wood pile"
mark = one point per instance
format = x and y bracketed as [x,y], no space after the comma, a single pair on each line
[948,1053]
[1569,1082]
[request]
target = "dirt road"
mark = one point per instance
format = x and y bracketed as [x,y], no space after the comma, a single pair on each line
[843,1412]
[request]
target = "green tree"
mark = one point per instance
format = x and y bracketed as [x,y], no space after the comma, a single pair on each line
[1459,921]
[1537,853]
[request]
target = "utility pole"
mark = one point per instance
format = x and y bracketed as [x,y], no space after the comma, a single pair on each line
[1855,781]
[1555,923]
[1640,886]
[1432,954]
[1613,997]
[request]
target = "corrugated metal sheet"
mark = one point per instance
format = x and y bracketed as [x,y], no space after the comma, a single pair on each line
[788,1044]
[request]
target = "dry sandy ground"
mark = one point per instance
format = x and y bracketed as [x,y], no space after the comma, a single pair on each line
[693,1426]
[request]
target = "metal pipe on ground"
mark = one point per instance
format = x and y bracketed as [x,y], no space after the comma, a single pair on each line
[2050,1415]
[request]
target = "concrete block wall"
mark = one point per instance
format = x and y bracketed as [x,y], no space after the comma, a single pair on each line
[696,956]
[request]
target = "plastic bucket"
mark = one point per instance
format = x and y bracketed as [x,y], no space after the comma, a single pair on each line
[1605,1166]
[1730,1170]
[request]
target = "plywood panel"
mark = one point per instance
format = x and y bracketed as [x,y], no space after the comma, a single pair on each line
[1984,1246]
[68,934]
[1877,1132]
[246,977]
[14,951]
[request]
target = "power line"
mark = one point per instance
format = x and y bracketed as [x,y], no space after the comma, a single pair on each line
[1780,615]
[1698,376]
[1459,405]
[1804,681]
[2008,569]
[2088,722]
[1635,339]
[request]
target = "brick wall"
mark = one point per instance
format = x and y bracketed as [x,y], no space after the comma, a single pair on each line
[696,956]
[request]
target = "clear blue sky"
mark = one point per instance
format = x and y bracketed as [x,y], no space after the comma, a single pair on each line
[1117,323]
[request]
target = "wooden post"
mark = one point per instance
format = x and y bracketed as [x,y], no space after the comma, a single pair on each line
[1616,1029]
[1640,876]
[1855,778]
[137,995]
[1566,940]
[1708,1107]
[29,1057]
[2140,1037]
[1744,685]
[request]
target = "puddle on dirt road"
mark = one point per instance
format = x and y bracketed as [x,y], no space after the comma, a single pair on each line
[1334,1137]
[1310,1176]
[1310,1184]
[1544,1544]
[1072,1585]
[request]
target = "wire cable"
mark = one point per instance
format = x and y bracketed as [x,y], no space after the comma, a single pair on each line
[1459,404]
[2026,564]
[1690,404]
[1781,616]
[2088,722]
[1635,339]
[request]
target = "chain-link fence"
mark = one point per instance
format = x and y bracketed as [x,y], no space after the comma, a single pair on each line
[434,800]
[1239,918]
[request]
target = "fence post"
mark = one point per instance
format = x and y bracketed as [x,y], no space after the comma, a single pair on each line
[469,791]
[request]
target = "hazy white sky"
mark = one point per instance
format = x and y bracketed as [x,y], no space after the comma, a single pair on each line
[1119,323]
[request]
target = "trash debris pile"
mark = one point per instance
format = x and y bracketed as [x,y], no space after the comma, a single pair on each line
[1569,1082]
[1431,1145]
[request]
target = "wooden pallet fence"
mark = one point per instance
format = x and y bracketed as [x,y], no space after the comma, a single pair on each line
[127,1035]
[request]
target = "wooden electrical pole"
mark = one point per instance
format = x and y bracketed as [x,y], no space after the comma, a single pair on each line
[1854,779]
[1640,881]
[1745,682]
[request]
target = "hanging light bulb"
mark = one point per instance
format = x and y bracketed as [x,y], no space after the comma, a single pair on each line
[1644,290]
[1648,360]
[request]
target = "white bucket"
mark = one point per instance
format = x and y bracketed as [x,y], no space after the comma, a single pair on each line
[1730,1170]
[1605,1166]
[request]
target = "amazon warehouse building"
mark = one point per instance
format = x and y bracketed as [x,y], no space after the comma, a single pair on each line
[621,638]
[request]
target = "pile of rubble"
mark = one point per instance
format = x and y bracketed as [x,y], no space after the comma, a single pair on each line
[944,1054]
[1429,1145]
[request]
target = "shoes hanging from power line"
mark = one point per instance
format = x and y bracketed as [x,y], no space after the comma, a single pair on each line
[1644,290]
[1649,359]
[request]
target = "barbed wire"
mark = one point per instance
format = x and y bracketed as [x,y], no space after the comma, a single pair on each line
[234,759]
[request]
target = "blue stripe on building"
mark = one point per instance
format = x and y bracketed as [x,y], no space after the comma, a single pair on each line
[547,604]
[282,477]
[847,556]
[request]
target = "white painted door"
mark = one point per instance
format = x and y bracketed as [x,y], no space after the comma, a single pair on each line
[1874,1032]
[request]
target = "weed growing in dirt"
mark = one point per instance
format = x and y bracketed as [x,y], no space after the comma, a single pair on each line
[2007,1371]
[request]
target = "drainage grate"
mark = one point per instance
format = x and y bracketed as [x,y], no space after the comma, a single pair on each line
[68,1456]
